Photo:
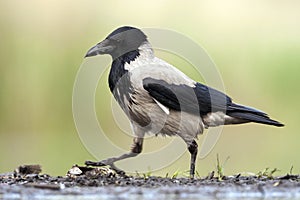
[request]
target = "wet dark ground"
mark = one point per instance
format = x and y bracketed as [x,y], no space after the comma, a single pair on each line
[103,183]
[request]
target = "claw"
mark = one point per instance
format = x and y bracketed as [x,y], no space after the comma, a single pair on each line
[92,163]
[101,163]
[117,170]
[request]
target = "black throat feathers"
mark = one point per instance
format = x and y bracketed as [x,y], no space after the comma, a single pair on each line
[119,80]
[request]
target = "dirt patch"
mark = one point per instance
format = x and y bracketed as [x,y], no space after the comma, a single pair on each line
[103,181]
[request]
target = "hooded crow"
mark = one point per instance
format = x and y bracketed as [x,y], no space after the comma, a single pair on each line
[160,99]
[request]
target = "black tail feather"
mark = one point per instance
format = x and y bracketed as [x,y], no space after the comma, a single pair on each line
[251,115]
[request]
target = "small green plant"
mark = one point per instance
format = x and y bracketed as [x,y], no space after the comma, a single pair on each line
[178,173]
[186,173]
[137,174]
[210,175]
[267,173]
[175,174]
[291,170]
[144,175]
[220,168]
[198,174]
[147,174]
[167,175]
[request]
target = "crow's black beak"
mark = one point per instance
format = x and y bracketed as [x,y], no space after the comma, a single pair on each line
[103,47]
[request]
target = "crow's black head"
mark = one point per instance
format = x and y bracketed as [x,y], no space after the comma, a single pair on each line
[119,42]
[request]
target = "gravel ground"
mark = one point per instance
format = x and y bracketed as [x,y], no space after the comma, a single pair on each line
[102,183]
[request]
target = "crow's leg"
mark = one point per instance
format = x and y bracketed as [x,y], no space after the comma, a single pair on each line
[193,149]
[136,149]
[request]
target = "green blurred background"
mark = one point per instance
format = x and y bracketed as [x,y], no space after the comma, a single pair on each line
[255,44]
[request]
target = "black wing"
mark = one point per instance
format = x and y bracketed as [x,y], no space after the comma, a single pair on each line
[199,99]
[202,99]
